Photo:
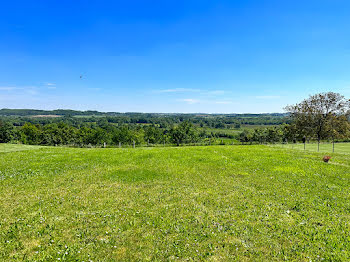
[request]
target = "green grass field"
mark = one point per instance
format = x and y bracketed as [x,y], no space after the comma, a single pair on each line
[219,203]
[5,148]
[343,148]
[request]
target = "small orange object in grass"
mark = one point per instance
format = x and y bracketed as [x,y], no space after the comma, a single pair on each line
[326,158]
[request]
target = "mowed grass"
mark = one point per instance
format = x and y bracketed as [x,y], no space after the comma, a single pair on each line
[5,148]
[343,148]
[219,203]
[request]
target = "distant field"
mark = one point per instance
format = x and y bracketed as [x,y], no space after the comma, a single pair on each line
[223,130]
[256,126]
[235,131]
[5,148]
[343,148]
[46,116]
[218,203]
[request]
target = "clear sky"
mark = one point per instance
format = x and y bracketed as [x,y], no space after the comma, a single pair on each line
[172,56]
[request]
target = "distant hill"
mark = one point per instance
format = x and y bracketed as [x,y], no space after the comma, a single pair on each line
[68,112]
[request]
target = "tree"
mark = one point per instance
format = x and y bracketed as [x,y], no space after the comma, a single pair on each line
[100,137]
[258,135]
[6,132]
[246,136]
[317,115]
[185,132]
[289,132]
[121,135]
[153,134]
[137,136]
[30,134]
[339,127]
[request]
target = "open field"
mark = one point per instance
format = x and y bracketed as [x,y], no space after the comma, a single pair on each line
[343,148]
[214,203]
[6,148]
[222,130]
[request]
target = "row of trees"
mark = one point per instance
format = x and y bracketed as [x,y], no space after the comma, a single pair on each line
[97,135]
[76,118]
[65,134]
[323,116]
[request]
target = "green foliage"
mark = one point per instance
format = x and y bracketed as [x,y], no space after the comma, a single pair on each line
[184,133]
[6,132]
[153,135]
[77,128]
[162,120]
[30,134]
[321,116]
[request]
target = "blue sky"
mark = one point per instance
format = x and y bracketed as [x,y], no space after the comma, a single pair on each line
[172,56]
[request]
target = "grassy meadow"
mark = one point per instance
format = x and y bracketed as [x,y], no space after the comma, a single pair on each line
[6,148]
[343,148]
[218,203]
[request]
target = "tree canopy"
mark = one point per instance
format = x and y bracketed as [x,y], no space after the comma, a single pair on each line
[321,116]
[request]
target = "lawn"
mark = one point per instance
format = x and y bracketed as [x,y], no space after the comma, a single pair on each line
[5,148]
[218,203]
[343,148]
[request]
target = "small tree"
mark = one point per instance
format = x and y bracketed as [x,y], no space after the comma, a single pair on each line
[339,127]
[185,132]
[30,134]
[246,136]
[6,132]
[153,134]
[315,116]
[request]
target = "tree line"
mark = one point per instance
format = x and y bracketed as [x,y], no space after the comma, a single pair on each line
[322,116]
[97,135]
[19,116]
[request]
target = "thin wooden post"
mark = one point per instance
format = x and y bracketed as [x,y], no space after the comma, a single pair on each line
[120,144]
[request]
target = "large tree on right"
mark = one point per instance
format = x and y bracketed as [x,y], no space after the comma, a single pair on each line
[321,116]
